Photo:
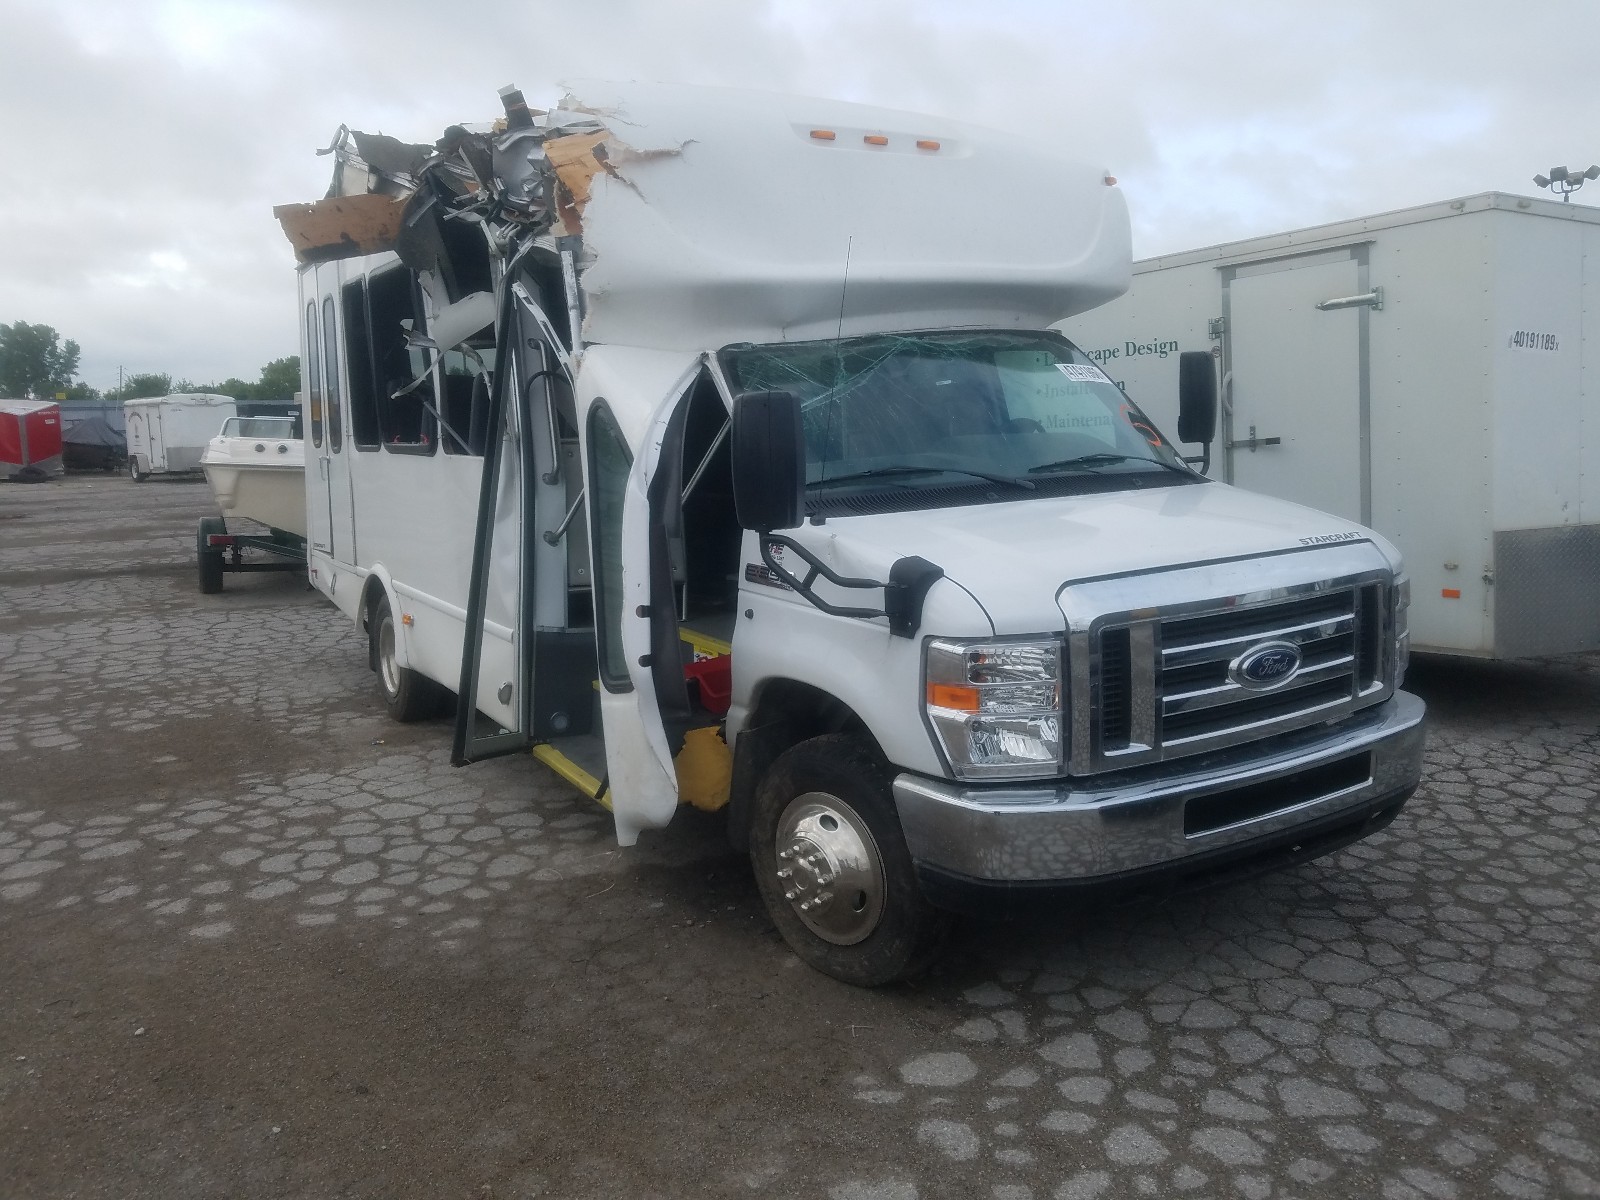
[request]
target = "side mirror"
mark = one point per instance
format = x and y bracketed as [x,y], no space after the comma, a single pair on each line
[1197,397]
[769,461]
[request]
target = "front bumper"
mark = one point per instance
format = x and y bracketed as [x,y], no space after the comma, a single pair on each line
[1170,818]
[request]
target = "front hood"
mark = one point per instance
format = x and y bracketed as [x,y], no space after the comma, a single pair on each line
[1014,557]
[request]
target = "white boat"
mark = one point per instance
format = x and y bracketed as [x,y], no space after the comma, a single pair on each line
[256,468]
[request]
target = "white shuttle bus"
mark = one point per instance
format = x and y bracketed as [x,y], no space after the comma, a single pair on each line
[714,447]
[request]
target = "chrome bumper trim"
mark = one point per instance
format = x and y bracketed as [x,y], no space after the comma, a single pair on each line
[1080,829]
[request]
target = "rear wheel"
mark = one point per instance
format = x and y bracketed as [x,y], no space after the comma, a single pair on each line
[209,558]
[833,868]
[407,695]
[134,473]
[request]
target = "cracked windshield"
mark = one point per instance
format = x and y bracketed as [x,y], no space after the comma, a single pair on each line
[1009,413]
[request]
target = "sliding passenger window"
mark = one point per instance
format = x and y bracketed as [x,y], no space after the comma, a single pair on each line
[609,464]
[313,375]
[330,365]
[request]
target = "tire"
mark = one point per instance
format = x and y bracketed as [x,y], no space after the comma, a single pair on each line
[209,559]
[407,695]
[824,817]
[134,473]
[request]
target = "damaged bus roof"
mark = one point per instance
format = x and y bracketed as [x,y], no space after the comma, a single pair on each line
[709,216]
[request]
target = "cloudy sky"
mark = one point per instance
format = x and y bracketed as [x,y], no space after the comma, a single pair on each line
[147,140]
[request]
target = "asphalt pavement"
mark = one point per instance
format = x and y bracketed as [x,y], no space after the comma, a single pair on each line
[258,940]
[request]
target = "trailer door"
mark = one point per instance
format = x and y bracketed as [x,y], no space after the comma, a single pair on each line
[1295,423]
[158,442]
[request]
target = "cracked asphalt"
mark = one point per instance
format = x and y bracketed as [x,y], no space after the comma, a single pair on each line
[256,940]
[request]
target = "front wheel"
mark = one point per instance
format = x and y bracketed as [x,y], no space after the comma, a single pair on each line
[833,868]
[407,695]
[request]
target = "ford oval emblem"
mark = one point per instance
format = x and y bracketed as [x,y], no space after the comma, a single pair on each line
[1266,666]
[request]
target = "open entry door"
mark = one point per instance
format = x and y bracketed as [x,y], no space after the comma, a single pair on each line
[496,652]
[635,611]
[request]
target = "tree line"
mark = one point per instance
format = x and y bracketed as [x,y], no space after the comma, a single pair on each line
[35,363]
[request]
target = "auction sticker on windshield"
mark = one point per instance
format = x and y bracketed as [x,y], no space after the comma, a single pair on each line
[1083,372]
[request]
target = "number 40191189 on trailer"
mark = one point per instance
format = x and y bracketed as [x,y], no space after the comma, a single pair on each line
[715,448]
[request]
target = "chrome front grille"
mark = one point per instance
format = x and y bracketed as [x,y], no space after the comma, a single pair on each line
[1201,707]
[1154,683]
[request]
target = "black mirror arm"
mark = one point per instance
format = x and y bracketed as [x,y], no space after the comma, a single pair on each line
[903,595]
[817,567]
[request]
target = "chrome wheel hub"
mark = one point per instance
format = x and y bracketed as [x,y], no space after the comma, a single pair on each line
[387,667]
[829,869]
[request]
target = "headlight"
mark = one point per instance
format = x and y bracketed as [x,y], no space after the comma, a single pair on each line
[1402,629]
[996,706]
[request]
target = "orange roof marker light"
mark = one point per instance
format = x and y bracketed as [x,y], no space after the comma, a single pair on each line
[927,144]
[875,139]
[1111,181]
[823,135]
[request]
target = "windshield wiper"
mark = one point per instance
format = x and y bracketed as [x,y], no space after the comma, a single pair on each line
[1103,459]
[912,469]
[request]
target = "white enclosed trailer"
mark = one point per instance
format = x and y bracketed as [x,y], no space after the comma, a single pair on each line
[1433,373]
[695,441]
[168,434]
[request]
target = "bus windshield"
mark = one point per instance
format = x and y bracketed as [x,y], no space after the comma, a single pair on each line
[1021,411]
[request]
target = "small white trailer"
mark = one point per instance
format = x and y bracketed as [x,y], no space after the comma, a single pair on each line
[168,434]
[1433,373]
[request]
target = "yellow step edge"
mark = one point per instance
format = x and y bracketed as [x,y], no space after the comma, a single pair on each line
[704,643]
[572,773]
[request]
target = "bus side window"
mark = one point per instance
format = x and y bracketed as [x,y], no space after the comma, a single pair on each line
[330,365]
[361,374]
[313,374]
[404,423]
[464,400]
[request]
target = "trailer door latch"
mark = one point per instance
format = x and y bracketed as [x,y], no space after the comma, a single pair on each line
[1253,441]
[1372,300]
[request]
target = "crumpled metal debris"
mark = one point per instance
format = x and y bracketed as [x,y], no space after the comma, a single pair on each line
[532,170]
[373,162]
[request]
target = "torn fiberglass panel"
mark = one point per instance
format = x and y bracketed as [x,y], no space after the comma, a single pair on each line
[934,409]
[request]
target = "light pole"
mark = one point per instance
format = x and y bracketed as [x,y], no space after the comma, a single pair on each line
[1565,182]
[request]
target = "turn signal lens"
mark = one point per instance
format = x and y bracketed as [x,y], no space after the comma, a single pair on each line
[949,695]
